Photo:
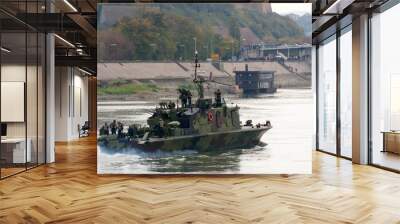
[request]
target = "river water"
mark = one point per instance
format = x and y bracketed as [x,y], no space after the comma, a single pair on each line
[288,149]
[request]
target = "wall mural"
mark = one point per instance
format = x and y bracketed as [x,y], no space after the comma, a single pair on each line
[204,88]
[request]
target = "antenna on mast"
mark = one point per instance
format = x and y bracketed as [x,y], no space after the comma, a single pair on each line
[196,64]
[198,81]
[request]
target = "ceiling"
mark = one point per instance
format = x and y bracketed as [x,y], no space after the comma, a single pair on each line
[331,15]
[75,21]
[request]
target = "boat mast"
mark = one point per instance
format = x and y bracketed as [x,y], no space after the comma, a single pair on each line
[198,81]
[196,65]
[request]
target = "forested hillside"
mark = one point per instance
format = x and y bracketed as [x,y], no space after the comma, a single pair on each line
[304,21]
[167,31]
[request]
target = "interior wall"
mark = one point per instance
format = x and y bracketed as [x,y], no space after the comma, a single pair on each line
[92,91]
[62,80]
[15,73]
[80,102]
[71,102]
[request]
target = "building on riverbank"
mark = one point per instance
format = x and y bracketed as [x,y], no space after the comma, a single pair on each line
[255,81]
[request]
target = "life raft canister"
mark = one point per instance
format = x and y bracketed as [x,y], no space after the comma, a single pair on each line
[210,116]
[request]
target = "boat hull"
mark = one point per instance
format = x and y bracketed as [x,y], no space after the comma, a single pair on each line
[243,138]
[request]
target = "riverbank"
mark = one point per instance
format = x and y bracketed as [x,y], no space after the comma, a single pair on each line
[151,90]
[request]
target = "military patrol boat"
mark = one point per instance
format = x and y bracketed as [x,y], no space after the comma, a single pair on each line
[206,124]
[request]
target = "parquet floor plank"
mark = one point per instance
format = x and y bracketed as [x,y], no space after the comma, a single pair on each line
[70,191]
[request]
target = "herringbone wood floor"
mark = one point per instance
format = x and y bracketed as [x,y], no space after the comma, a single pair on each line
[70,191]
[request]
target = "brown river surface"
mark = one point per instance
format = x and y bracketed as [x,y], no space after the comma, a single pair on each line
[288,148]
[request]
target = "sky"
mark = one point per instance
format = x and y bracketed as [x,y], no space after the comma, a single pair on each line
[287,8]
